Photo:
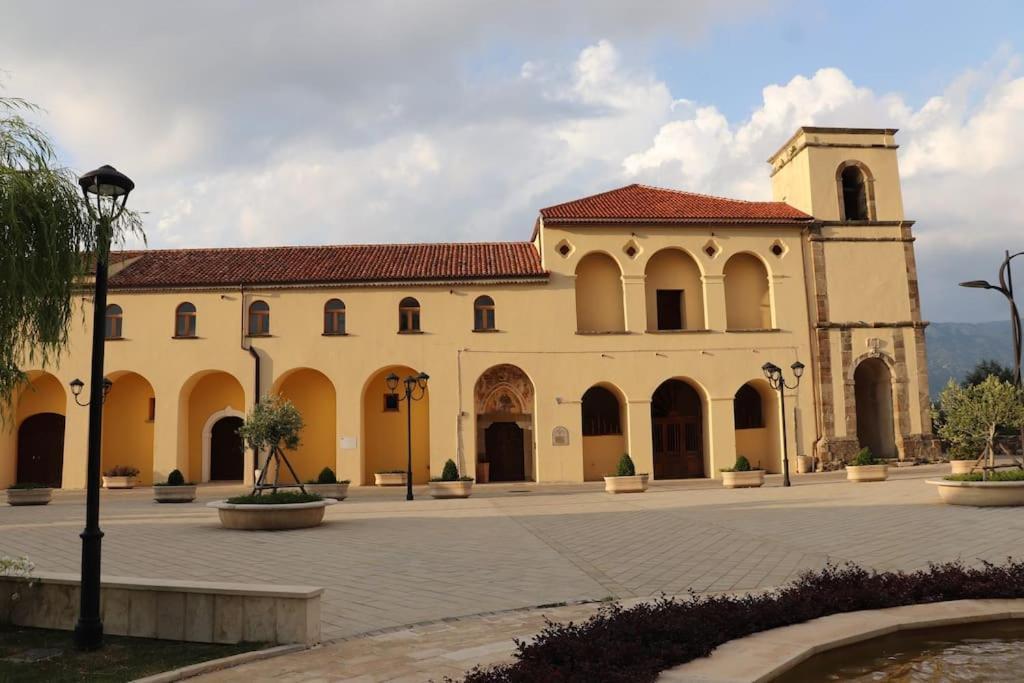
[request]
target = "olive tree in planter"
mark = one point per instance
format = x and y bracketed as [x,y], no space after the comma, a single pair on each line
[328,486]
[450,484]
[120,477]
[741,475]
[867,467]
[175,489]
[272,426]
[626,480]
[29,494]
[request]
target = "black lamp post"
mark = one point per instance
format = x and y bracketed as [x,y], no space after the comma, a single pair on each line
[774,375]
[415,389]
[106,192]
[1005,287]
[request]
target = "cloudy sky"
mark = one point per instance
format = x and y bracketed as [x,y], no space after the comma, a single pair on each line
[256,123]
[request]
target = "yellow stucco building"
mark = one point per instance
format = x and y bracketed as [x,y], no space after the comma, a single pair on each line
[636,320]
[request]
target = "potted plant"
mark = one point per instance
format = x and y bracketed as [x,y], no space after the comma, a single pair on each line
[328,486]
[804,464]
[982,489]
[28,494]
[626,480]
[450,484]
[389,478]
[866,467]
[741,475]
[175,489]
[273,425]
[120,477]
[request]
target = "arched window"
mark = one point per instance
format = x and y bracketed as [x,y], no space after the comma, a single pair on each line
[855,194]
[746,408]
[185,320]
[113,329]
[409,315]
[259,318]
[483,314]
[600,412]
[334,317]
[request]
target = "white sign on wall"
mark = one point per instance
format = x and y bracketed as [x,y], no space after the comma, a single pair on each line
[349,443]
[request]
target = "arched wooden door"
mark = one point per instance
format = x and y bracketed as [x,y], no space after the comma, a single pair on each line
[41,450]
[227,455]
[676,426]
[504,448]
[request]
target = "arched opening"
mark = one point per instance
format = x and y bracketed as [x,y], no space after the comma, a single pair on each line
[259,319]
[207,399]
[674,292]
[677,427]
[40,435]
[113,322]
[314,396]
[385,428]
[853,183]
[604,434]
[747,302]
[873,394]
[408,315]
[483,314]
[756,421]
[129,414]
[185,320]
[599,304]
[334,317]
[503,401]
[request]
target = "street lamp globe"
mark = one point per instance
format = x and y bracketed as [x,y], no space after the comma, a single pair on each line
[110,188]
[798,369]
[392,381]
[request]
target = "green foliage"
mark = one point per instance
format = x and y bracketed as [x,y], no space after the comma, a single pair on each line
[25,486]
[175,478]
[277,498]
[988,368]
[997,475]
[626,467]
[327,476]
[742,464]
[274,422]
[865,457]
[974,414]
[390,472]
[49,243]
[122,471]
[450,471]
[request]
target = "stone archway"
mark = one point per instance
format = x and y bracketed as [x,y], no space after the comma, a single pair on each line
[873,397]
[503,400]
[216,461]
[39,447]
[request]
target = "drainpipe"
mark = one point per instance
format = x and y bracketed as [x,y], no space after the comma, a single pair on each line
[252,351]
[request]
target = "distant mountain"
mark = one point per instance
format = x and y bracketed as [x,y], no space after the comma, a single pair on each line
[955,348]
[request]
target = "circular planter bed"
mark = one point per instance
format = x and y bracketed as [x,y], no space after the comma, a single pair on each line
[962,466]
[174,494]
[862,473]
[38,495]
[270,516]
[389,478]
[980,493]
[742,480]
[337,491]
[119,482]
[451,489]
[636,483]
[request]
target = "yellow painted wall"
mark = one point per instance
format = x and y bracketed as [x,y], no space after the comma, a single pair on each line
[314,396]
[601,455]
[599,295]
[747,304]
[212,393]
[675,269]
[385,432]
[127,429]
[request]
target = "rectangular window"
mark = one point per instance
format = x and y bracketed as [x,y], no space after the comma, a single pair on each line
[484,318]
[259,323]
[334,322]
[113,327]
[390,403]
[670,309]
[186,326]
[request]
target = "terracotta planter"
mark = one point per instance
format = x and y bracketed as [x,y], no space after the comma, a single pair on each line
[389,478]
[804,464]
[483,472]
[174,494]
[337,491]
[451,489]
[271,517]
[119,482]
[980,493]
[743,480]
[962,466]
[39,496]
[861,473]
[634,484]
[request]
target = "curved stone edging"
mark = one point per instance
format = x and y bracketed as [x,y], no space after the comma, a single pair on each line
[768,654]
[271,517]
[212,665]
[980,493]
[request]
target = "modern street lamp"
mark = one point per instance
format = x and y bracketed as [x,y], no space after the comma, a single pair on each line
[106,193]
[1005,287]
[774,375]
[415,389]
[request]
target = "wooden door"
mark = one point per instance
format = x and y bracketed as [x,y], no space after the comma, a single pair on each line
[227,457]
[678,452]
[503,444]
[41,450]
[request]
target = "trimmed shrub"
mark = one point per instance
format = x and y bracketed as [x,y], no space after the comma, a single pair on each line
[26,486]
[122,471]
[636,644]
[278,498]
[865,457]
[327,476]
[1007,475]
[742,464]
[175,478]
[626,467]
[450,471]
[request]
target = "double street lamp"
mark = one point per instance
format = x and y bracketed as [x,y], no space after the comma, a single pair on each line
[106,193]
[1005,287]
[773,373]
[415,389]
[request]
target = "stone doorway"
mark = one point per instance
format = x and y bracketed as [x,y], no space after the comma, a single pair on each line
[873,395]
[504,425]
[41,450]
[227,454]
[503,443]
[677,431]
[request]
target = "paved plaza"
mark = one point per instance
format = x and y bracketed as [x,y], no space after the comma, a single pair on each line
[387,563]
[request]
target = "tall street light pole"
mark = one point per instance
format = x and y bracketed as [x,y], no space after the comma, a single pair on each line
[773,373]
[1005,287]
[106,193]
[415,389]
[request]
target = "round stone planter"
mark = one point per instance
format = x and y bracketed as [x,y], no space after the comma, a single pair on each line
[271,517]
[40,496]
[804,464]
[389,478]
[337,491]
[862,473]
[451,489]
[961,466]
[980,493]
[119,482]
[174,494]
[633,484]
[743,480]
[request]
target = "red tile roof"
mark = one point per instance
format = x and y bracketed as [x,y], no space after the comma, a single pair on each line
[643,204]
[365,263]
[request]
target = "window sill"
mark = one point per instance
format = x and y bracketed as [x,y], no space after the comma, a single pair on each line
[755,330]
[701,330]
[475,331]
[182,336]
[261,334]
[114,339]
[410,332]
[598,333]
[334,334]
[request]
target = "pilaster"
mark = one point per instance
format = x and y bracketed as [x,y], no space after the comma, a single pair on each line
[714,301]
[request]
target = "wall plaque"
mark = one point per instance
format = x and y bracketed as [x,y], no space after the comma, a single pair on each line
[559,436]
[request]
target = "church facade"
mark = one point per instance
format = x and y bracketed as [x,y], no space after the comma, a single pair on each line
[633,321]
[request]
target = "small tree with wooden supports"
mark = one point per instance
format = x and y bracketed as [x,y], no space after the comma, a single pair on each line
[973,416]
[273,426]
